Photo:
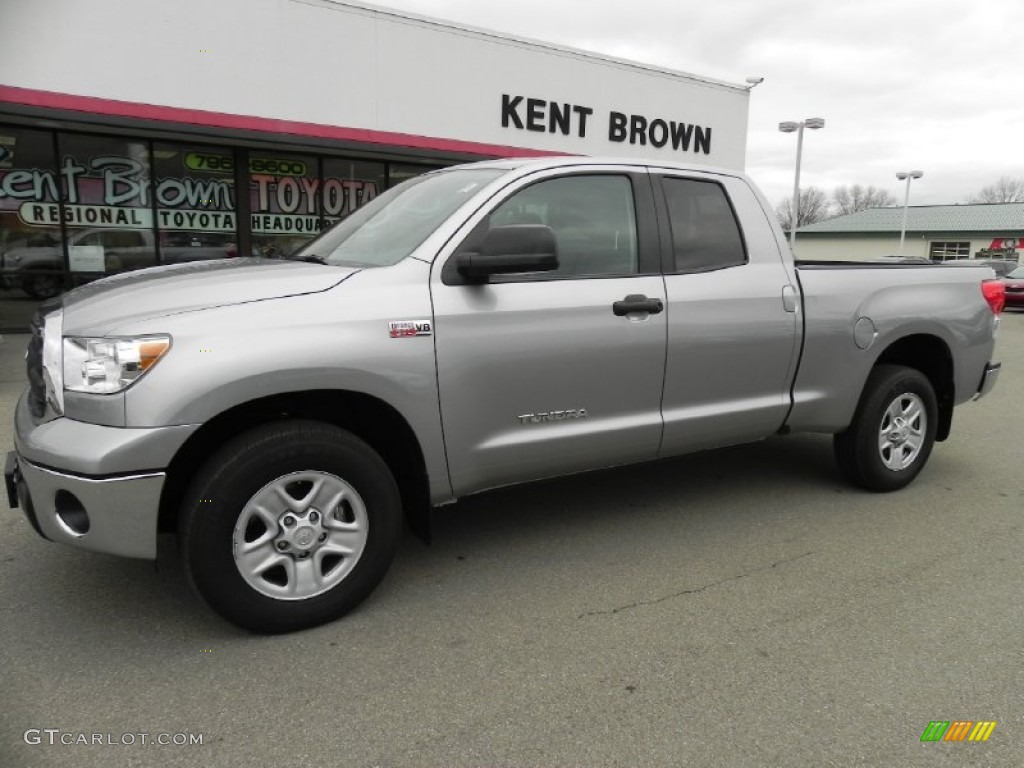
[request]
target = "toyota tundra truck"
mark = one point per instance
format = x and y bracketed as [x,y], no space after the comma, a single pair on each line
[474,327]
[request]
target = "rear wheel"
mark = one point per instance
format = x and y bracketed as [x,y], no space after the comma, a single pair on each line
[893,430]
[290,525]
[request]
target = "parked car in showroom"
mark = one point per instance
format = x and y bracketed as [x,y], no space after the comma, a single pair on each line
[38,270]
[1014,283]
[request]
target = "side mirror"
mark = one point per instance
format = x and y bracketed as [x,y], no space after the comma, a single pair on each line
[510,249]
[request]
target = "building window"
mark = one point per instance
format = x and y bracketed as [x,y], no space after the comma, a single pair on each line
[945,250]
[283,190]
[108,212]
[31,245]
[348,184]
[399,172]
[77,207]
[195,202]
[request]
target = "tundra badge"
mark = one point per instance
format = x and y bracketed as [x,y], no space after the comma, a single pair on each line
[542,418]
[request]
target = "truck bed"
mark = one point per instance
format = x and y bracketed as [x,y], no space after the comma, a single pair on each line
[848,304]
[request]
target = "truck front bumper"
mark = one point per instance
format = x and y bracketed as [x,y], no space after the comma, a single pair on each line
[117,515]
[91,486]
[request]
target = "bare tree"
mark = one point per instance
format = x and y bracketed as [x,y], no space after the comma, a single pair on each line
[1006,190]
[814,207]
[857,198]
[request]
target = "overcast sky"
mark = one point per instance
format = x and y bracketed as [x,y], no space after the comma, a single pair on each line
[934,85]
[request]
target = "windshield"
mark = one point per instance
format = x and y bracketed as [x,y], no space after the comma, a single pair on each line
[1017,274]
[391,226]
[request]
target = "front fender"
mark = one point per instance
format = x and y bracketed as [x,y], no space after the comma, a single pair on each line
[339,339]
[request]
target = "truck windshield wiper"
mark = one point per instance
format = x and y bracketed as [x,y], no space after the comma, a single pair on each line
[312,258]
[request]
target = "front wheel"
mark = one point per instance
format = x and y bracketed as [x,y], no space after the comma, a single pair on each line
[893,430]
[290,525]
[42,286]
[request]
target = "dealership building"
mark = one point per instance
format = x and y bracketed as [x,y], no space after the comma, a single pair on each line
[136,134]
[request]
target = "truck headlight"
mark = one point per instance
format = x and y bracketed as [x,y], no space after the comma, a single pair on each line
[106,366]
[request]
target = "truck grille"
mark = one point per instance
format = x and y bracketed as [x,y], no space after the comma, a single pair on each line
[34,361]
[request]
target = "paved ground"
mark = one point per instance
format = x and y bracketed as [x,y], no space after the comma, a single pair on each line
[736,608]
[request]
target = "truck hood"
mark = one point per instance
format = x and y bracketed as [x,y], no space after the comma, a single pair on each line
[116,302]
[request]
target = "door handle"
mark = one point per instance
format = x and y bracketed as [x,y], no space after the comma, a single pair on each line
[637,302]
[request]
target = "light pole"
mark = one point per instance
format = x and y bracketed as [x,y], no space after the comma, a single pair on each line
[908,175]
[789,127]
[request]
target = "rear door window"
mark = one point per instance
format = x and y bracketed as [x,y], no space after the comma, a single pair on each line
[705,233]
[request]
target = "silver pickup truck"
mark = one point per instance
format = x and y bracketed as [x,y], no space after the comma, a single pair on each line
[471,328]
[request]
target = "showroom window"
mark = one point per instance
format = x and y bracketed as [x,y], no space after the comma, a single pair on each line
[348,185]
[945,250]
[31,249]
[284,194]
[399,172]
[76,207]
[106,194]
[194,192]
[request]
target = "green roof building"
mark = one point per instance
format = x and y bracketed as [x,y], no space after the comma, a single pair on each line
[938,232]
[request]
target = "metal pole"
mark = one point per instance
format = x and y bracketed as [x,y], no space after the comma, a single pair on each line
[906,201]
[796,187]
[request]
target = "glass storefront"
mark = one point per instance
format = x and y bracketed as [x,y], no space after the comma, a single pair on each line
[108,220]
[348,184]
[31,242]
[284,195]
[194,196]
[75,207]
[399,172]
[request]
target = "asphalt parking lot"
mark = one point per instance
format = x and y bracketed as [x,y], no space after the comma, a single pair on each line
[742,607]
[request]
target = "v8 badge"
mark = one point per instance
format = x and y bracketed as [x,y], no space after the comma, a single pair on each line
[400,329]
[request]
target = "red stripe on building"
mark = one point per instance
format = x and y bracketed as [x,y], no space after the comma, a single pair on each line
[114,108]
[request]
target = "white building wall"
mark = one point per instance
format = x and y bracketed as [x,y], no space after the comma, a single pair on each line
[336,63]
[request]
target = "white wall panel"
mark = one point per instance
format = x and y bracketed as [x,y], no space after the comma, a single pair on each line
[353,66]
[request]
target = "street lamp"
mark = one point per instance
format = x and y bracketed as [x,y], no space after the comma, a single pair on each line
[789,127]
[908,175]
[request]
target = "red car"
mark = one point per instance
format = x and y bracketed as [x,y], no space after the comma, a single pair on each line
[1014,283]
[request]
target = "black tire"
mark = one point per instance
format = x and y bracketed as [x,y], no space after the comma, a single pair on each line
[42,286]
[261,461]
[858,449]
